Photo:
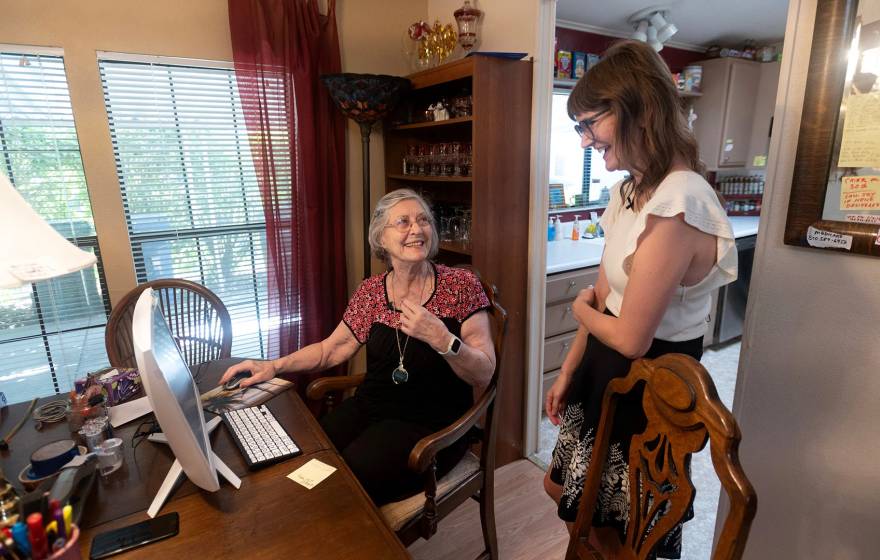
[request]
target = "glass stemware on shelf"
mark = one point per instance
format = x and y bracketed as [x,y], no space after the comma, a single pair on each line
[455,224]
[443,159]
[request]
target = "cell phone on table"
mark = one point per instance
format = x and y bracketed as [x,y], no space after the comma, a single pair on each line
[125,538]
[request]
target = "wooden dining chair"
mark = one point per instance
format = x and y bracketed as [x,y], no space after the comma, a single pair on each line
[473,477]
[683,412]
[198,320]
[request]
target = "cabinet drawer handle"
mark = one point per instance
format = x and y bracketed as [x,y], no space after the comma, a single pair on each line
[572,284]
[564,345]
[567,310]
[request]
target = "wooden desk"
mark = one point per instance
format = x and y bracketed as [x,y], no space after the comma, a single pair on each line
[270,516]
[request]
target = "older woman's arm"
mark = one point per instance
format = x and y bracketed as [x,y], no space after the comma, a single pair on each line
[475,360]
[340,346]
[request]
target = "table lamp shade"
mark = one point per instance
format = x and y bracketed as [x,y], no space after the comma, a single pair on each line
[365,98]
[30,249]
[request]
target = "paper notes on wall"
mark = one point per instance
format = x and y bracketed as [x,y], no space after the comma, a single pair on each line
[863,219]
[312,473]
[860,193]
[829,239]
[860,145]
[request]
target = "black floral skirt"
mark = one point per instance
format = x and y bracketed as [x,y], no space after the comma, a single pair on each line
[580,422]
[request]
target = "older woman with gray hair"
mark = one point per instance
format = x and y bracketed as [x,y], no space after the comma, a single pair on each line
[428,343]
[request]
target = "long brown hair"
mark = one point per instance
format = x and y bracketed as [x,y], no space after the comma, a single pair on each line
[634,83]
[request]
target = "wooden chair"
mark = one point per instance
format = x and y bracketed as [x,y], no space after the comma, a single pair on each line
[473,477]
[683,412]
[198,320]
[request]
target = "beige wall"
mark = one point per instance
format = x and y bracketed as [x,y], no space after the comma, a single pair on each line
[193,29]
[507,25]
[806,397]
[370,45]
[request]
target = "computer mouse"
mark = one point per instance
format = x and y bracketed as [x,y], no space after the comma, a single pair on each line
[236,380]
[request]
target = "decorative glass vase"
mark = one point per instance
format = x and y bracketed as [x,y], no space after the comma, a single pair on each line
[467,18]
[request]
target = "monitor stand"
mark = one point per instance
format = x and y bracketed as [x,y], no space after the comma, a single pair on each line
[175,473]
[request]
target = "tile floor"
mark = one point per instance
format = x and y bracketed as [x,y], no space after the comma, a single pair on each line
[721,362]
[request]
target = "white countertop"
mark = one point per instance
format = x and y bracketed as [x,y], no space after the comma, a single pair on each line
[567,254]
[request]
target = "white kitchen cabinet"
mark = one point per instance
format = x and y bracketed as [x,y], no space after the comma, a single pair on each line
[725,111]
[765,105]
[560,326]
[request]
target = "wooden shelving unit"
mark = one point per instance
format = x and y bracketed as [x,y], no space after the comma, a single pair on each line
[431,178]
[497,193]
[455,247]
[433,124]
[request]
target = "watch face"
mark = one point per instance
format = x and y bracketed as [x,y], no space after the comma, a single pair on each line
[456,345]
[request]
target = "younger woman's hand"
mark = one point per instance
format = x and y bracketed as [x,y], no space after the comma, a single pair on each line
[586,298]
[554,404]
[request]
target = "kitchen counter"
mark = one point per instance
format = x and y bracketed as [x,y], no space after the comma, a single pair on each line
[567,255]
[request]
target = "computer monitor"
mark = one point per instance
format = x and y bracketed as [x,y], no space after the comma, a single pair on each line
[175,401]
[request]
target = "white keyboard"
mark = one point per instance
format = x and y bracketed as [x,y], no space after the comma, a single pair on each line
[259,436]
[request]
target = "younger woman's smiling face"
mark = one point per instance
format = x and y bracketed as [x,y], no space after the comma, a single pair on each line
[599,128]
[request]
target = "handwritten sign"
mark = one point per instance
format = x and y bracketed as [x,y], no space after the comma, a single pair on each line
[312,473]
[863,219]
[828,239]
[860,193]
[860,144]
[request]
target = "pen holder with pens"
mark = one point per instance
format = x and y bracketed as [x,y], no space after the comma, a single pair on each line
[71,549]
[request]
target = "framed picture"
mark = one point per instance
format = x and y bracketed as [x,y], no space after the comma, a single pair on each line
[835,191]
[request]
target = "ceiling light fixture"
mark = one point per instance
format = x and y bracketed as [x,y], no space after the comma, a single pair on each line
[641,33]
[652,27]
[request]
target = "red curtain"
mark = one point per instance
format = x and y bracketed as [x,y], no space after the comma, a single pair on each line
[280,48]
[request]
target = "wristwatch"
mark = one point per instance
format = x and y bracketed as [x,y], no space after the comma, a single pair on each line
[453,348]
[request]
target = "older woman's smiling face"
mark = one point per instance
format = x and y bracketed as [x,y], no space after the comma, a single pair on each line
[407,235]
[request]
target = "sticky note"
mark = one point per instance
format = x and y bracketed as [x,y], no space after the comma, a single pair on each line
[860,143]
[759,161]
[312,473]
[860,193]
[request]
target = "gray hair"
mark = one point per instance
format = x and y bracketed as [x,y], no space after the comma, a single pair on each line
[380,220]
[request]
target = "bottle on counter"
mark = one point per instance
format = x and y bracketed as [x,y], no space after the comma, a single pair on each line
[551,229]
[576,228]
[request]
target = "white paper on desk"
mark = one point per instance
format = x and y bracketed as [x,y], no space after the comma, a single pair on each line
[312,473]
[128,411]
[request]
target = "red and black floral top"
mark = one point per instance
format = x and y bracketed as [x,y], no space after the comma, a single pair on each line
[434,395]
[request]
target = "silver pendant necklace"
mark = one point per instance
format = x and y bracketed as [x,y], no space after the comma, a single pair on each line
[400,375]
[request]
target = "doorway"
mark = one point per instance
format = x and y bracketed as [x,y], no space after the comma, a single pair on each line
[589,26]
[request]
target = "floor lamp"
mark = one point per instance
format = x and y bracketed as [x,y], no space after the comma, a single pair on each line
[366,99]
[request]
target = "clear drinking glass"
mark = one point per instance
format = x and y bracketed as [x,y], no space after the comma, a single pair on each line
[109,454]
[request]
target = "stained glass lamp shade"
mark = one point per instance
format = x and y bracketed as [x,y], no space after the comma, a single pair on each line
[366,99]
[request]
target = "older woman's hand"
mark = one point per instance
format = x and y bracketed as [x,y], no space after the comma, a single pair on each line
[261,370]
[418,322]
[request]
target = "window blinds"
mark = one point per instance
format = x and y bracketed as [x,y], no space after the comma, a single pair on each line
[51,332]
[189,189]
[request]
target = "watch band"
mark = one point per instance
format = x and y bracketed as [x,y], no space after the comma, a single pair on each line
[453,348]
